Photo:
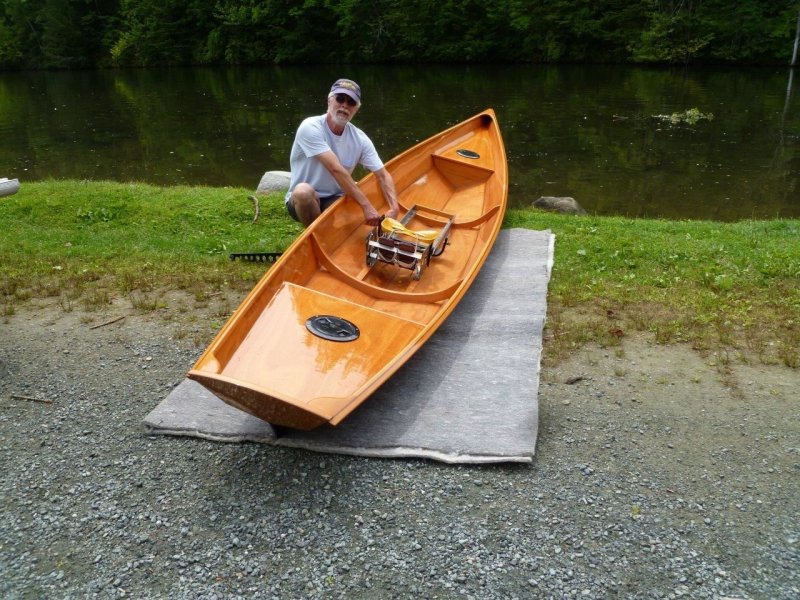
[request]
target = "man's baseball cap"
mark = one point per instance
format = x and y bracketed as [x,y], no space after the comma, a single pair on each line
[349,87]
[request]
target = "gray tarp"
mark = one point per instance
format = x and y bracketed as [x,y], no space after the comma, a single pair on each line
[468,396]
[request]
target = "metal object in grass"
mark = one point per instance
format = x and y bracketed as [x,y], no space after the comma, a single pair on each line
[270,257]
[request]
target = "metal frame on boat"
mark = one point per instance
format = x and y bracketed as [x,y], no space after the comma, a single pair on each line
[399,245]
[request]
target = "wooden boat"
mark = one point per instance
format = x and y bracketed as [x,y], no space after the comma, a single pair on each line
[346,305]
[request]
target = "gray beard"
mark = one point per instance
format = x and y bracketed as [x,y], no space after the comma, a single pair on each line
[339,120]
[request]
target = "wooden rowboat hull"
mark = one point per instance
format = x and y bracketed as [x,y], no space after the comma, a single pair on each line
[271,360]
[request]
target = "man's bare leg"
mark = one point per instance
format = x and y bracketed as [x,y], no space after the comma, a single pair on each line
[306,203]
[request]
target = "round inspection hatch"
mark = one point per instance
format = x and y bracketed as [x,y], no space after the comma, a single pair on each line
[467,153]
[333,328]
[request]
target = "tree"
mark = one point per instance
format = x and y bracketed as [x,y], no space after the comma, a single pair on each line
[162,32]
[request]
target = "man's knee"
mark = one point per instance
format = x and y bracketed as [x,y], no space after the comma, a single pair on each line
[305,202]
[304,193]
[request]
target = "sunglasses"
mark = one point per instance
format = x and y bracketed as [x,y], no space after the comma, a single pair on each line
[342,98]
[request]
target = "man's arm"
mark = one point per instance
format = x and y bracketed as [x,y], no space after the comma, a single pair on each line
[345,181]
[389,193]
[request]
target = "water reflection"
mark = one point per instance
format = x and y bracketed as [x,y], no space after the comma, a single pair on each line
[585,132]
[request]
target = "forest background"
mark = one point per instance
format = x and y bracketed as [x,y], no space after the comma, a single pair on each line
[67,34]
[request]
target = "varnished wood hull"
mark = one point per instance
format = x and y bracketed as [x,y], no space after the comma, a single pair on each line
[265,360]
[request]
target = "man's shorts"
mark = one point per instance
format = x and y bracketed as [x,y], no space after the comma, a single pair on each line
[323,204]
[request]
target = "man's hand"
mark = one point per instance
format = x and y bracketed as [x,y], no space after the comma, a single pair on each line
[393,212]
[371,216]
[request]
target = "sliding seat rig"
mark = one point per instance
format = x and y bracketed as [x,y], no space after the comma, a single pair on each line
[393,242]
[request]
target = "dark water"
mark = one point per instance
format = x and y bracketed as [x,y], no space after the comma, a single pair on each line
[586,132]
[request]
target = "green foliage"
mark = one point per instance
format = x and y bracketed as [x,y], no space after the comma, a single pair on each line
[56,33]
[78,33]
[162,32]
[63,40]
[19,45]
[716,30]
[689,117]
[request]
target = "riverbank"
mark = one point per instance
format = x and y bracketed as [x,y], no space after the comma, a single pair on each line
[729,290]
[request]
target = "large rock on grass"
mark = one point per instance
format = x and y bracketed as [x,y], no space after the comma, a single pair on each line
[274,181]
[560,204]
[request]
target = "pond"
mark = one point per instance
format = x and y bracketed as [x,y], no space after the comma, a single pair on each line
[601,134]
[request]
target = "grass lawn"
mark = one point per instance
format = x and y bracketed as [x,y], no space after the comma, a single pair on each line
[731,289]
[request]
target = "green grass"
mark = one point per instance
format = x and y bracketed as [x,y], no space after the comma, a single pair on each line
[74,239]
[726,289]
[718,286]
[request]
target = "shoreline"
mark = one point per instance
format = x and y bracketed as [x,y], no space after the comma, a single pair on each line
[725,288]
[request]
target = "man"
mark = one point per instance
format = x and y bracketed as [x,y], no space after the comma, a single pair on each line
[325,151]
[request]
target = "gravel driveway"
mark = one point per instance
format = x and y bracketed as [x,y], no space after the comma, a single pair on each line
[657,476]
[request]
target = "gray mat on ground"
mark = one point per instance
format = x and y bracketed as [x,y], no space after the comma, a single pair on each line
[468,396]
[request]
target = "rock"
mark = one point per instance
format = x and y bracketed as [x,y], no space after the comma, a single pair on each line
[8,186]
[560,204]
[274,181]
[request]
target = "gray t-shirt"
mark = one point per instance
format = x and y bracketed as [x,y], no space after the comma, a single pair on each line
[315,137]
